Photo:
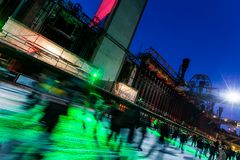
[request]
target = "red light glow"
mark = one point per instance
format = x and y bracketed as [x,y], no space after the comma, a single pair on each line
[105,8]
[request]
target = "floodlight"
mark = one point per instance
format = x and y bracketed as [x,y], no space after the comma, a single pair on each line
[232,96]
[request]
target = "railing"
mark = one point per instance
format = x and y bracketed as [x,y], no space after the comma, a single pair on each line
[80,16]
[45,50]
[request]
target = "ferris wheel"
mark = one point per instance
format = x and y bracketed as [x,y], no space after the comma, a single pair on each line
[200,87]
[200,84]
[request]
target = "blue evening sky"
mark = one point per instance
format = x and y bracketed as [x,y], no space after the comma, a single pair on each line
[206,31]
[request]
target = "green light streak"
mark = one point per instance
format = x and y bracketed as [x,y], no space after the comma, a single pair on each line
[69,139]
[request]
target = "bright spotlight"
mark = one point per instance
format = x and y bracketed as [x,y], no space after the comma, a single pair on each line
[232,96]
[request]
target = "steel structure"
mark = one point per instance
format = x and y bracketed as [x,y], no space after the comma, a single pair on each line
[162,62]
[200,84]
[200,90]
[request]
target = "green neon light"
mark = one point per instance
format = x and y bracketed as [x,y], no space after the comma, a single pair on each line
[95,75]
[70,140]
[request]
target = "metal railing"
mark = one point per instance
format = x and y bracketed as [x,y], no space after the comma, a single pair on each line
[162,62]
[37,51]
[80,15]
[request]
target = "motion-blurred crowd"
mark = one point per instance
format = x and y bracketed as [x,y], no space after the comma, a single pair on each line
[57,94]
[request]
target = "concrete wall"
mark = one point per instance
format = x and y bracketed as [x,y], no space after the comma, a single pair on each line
[121,27]
[125,20]
[109,58]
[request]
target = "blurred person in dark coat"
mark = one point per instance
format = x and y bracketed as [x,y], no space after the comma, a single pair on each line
[199,148]
[144,124]
[183,139]
[212,151]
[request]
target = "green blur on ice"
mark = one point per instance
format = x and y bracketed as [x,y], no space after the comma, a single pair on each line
[73,137]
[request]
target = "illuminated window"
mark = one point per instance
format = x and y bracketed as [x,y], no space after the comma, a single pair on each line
[122,107]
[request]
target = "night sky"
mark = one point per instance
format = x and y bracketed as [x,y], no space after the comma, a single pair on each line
[206,31]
